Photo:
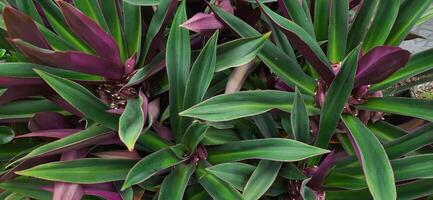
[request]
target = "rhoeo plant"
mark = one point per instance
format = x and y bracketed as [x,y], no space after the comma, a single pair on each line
[225,100]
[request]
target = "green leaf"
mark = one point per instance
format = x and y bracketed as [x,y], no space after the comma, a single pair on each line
[178,57]
[146,71]
[88,104]
[297,14]
[215,136]
[377,168]
[237,174]
[55,41]
[321,19]
[57,22]
[336,98]
[201,73]
[86,171]
[385,131]
[143,2]
[131,122]
[278,62]
[194,134]
[360,26]
[152,141]
[267,149]
[28,187]
[280,39]
[218,189]
[381,26]
[25,70]
[338,27]
[290,171]
[6,134]
[109,8]
[93,10]
[261,179]
[26,108]
[266,125]
[69,141]
[418,63]
[132,27]
[299,119]
[239,52]
[409,13]
[246,103]
[164,10]
[419,108]
[153,163]
[174,185]
[28,7]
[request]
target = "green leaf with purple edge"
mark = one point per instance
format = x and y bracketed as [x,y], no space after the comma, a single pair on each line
[132,120]
[155,162]
[336,98]
[93,10]
[375,162]
[303,42]
[88,104]
[86,171]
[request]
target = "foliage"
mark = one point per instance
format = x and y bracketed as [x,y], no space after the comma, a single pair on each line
[167,99]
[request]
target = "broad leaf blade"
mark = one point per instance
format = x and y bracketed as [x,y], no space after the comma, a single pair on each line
[261,179]
[132,27]
[86,171]
[338,30]
[267,149]
[174,185]
[377,168]
[194,134]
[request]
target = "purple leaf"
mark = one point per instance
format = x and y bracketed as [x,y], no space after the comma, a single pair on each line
[47,121]
[22,26]
[19,92]
[89,31]
[379,63]
[26,165]
[281,85]
[64,104]
[117,111]
[107,195]
[130,64]
[203,23]
[71,60]
[162,131]
[55,133]
[319,176]
[67,191]
[11,81]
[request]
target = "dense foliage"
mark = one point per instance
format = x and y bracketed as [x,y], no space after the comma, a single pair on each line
[167,99]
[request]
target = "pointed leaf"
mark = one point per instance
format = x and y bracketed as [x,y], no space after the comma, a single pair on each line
[239,52]
[278,62]
[90,32]
[88,104]
[360,26]
[299,119]
[304,42]
[267,149]
[86,171]
[261,179]
[377,168]
[177,60]
[174,185]
[92,10]
[246,103]
[109,10]
[153,163]
[296,12]
[336,98]
[237,174]
[194,134]
[402,106]
[218,189]
[131,122]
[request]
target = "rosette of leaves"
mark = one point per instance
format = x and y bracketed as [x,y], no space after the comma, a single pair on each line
[146,99]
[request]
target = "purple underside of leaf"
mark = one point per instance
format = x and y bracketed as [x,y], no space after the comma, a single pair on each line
[162,131]
[71,60]
[322,68]
[319,176]
[281,85]
[117,111]
[13,81]
[203,23]
[380,63]
[354,3]
[22,26]
[283,7]
[19,92]
[47,121]
[130,64]
[99,190]
[67,191]
[56,133]
[89,31]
